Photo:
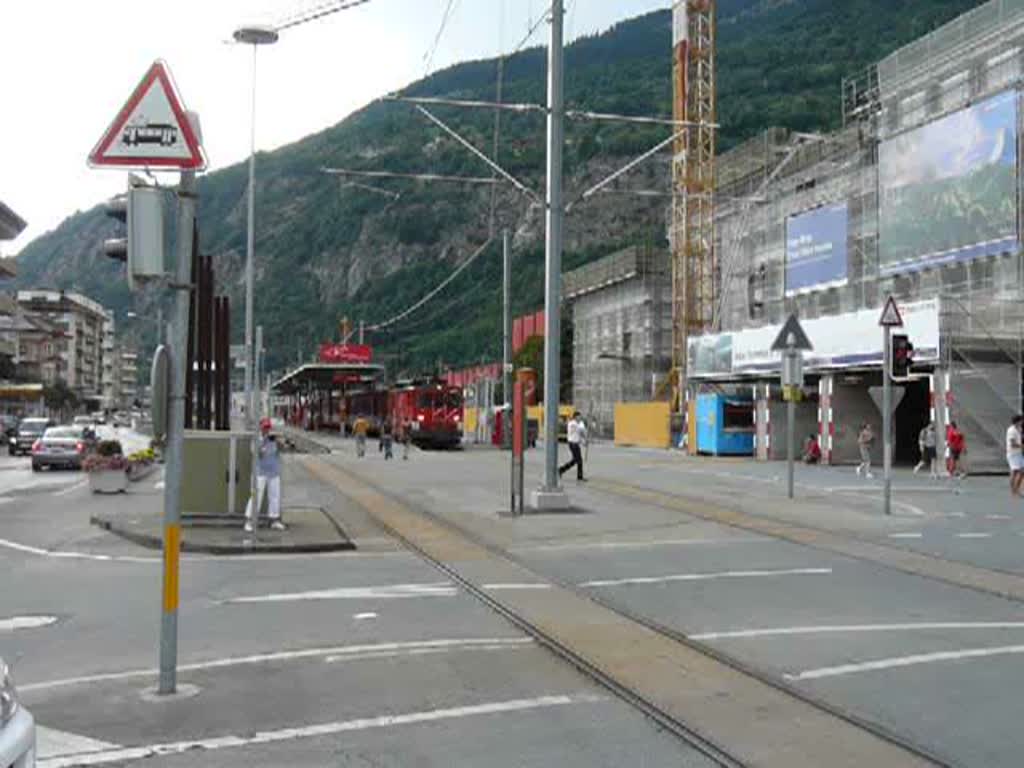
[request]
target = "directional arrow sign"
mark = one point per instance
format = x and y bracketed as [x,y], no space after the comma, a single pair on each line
[152,129]
[792,326]
[891,315]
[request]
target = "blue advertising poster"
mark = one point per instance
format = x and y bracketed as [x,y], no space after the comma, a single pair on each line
[816,249]
[948,190]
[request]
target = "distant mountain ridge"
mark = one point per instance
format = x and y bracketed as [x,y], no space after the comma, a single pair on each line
[327,251]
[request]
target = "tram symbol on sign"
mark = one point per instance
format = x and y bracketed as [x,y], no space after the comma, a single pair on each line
[163,134]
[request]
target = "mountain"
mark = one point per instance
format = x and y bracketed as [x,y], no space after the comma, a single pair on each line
[326,250]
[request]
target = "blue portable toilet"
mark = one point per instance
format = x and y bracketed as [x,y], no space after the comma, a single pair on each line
[725,425]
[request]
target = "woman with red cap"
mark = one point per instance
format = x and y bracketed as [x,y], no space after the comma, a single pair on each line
[268,481]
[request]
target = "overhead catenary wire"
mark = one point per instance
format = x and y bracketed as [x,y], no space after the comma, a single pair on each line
[428,57]
[411,176]
[317,12]
[440,287]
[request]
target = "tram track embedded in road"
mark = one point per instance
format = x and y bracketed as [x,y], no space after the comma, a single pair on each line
[687,734]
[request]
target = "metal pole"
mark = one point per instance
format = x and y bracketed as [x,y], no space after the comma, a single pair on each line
[250,424]
[176,437]
[506,381]
[553,247]
[258,383]
[362,327]
[887,418]
[791,354]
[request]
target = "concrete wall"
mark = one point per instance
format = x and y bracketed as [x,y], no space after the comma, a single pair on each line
[852,405]
[642,424]
[806,423]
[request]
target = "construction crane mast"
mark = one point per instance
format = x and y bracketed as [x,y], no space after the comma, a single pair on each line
[692,230]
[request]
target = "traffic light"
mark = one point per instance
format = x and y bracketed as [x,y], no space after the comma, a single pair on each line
[902,356]
[141,210]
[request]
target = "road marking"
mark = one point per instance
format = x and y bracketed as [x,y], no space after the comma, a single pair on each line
[497,587]
[955,514]
[364,616]
[72,489]
[431,648]
[51,743]
[26,622]
[705,576]
[118,755]
[386,592]
[265,658]
[30,550]
[999,517]
[853,628]
[905,535]
[905,661]
[974,535]
[638,544]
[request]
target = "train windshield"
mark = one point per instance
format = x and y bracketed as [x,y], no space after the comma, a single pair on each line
[453,398]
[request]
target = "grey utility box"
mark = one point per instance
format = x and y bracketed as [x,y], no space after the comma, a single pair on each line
[217,471]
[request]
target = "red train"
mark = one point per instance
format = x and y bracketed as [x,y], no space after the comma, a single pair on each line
[432,409]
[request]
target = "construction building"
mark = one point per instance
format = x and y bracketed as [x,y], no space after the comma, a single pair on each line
[622,332]
[916,197]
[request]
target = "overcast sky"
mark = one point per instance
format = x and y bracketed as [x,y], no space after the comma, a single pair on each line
[67,66]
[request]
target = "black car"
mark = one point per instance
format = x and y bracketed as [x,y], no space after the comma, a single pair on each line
[29,430]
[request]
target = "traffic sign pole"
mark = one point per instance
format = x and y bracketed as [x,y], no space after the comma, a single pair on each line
[887,418]
[791,354]
[791,342]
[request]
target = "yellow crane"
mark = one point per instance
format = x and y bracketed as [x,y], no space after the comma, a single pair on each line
[693,182]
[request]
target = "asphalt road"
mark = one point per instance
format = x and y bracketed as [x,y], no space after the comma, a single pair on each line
[392,667]
[375,658]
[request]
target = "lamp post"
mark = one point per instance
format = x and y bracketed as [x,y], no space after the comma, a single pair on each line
[254,36]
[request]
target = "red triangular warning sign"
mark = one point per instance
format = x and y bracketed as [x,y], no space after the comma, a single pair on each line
[891,315]
[152,129]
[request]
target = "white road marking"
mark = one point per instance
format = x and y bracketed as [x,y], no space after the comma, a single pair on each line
[705,576]
[385,592]
[364,616]
[431,648]
[905,535]
[72,489]
[60,554]
[853,628]
[51,743]
[974,535]
[999,517]
[638,544]
[264,658]
[497,587]
[905,661]
[26,622]
[955,514]
[119,755]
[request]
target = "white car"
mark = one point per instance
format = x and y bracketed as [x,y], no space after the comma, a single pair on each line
[17,728]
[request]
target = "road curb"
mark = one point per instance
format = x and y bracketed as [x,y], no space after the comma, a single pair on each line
[151,541]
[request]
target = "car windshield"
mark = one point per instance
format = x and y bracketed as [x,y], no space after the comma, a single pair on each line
[34,426]
[63,433]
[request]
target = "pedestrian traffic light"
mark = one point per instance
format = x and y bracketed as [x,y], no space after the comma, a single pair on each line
[141,210]
[902,356]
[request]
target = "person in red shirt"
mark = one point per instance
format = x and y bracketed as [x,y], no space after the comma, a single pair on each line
[812,450]
[957,447]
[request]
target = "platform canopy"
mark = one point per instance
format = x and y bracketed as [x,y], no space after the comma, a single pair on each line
[326,376]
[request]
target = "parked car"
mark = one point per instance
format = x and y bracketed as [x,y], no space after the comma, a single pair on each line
[63,447]
[29,430]
[8,426]
[83,421]
[17,727]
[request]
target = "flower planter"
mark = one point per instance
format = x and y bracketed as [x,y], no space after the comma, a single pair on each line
[140,470]
[108,481]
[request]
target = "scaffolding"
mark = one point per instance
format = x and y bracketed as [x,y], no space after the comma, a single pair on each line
[622,332]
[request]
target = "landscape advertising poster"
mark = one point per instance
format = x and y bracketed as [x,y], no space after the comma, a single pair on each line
[816,249]
[948,190]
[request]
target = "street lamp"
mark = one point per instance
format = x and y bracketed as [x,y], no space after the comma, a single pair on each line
[254,36]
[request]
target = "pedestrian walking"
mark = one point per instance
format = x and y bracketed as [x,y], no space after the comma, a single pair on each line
[1014,456]
[576,436]
[360,428]
[926,445]
[957,444]
[387,441]
[268,482]
[865,439]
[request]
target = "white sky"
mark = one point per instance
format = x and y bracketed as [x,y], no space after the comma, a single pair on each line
[67,66]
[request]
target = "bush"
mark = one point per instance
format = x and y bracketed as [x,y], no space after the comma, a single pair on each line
[109,448]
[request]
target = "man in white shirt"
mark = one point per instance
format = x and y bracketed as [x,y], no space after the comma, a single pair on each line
[576,435]
[1014,456]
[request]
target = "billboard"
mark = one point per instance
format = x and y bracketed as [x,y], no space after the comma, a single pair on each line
[345,353]
[816,249]
[948,190]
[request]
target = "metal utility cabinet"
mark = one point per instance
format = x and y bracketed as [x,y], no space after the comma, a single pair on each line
[217,471]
